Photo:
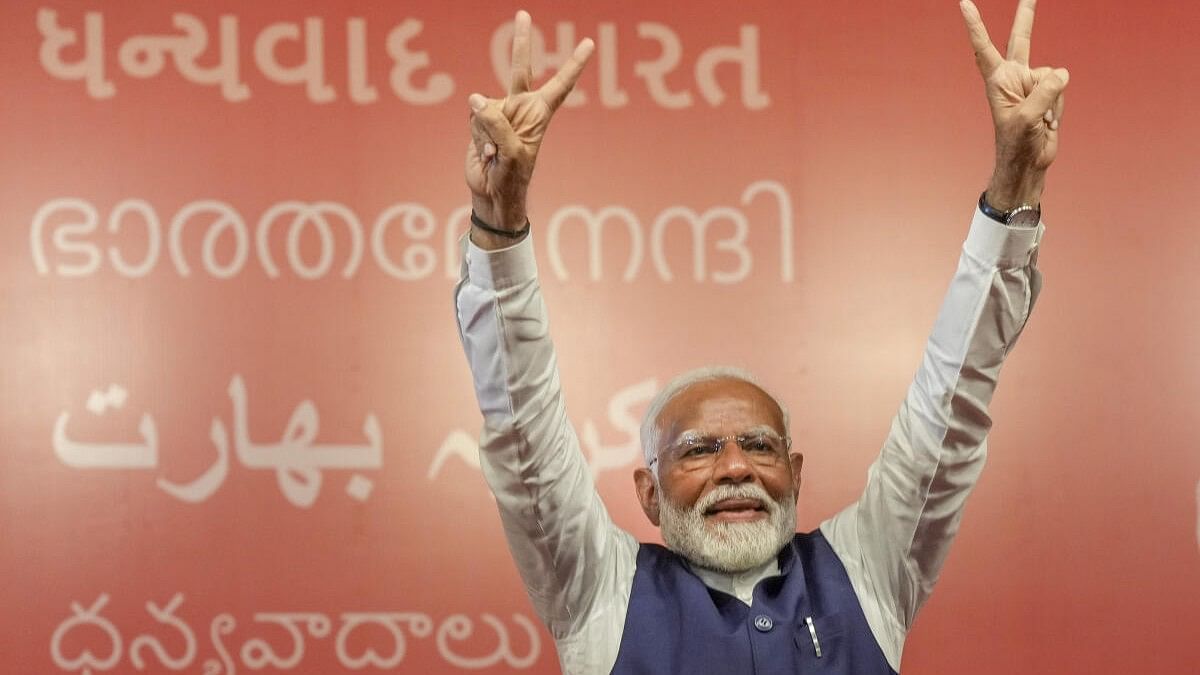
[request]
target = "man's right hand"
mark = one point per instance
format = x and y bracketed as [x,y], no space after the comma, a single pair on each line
[507,133]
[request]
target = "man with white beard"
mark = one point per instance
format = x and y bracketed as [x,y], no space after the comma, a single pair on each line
[736,589]
[738,525]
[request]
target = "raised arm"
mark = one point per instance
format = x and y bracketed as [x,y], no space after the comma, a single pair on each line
[566,547]
[895,538]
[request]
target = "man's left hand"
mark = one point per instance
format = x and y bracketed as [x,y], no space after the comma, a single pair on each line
[1027,107]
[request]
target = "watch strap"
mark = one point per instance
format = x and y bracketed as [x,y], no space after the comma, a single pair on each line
[1003,217]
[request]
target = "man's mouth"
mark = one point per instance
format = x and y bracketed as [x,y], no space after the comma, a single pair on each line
[736,510]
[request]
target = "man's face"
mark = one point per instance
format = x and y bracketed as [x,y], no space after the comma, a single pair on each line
[729,509]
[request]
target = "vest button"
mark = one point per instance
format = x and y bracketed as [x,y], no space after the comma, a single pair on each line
[763,623]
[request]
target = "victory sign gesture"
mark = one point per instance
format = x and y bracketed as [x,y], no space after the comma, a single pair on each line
[1026,105]
[506,135]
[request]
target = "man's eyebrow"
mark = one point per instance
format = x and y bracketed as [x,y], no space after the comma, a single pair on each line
[689,434]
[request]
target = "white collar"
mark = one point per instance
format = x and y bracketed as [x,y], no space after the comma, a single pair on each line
[740,585]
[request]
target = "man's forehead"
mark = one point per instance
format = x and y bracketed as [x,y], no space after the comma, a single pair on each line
[714,403]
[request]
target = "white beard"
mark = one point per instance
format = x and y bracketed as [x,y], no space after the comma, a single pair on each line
[732,547]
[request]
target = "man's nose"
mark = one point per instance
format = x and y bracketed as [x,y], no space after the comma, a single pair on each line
[732,466]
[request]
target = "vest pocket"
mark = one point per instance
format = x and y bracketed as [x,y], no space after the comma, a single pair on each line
[819,644]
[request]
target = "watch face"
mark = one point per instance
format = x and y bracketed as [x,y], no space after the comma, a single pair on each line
[1024,217]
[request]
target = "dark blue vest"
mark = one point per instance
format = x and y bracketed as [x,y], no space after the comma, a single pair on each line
[676,624]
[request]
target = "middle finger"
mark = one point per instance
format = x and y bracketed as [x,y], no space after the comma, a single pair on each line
[521,75]
[1022,33]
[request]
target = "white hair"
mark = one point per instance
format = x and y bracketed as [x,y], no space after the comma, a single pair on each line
[650,429]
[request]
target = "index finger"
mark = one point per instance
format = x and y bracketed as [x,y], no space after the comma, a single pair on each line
[521,76]
[1022,31]
[555,91]
[985,52]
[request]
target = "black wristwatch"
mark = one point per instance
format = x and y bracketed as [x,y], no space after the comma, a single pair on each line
[1022,216]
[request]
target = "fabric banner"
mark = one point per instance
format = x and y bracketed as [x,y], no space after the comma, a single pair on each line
[239,433]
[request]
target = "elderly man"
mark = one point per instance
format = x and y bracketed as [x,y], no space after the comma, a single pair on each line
[736,590]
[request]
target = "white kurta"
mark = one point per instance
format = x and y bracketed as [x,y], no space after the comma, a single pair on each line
[578,566]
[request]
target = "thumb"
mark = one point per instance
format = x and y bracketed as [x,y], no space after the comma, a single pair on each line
[1047,91]
[497,126]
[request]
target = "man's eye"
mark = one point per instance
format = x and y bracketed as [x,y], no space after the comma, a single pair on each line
[758,444]
[697,449]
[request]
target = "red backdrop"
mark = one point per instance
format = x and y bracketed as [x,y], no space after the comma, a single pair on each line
[237,426]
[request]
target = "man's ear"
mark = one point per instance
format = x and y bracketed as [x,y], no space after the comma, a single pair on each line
[797,460]
[647,493]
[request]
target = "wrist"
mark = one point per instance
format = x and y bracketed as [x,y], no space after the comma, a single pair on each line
[1009,189]
[501,214]
[491,242]
[487,238]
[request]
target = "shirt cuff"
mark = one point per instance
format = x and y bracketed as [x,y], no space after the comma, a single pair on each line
[1000,245]
[502,268]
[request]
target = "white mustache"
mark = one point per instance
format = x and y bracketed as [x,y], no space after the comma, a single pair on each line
[741,491]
